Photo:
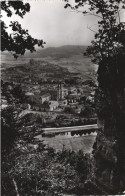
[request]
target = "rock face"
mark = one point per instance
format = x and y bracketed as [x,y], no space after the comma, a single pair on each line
[106,159]
[109,148]
[108,176]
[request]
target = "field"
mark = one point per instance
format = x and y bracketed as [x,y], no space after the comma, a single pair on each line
[83,143]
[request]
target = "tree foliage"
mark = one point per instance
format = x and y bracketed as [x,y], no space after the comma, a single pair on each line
[109,39]
[13,94]
[44,172]
[108,51]
[19,40]
[9,129]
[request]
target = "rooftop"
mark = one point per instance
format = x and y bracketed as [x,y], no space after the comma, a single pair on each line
[45,95]
[29,93]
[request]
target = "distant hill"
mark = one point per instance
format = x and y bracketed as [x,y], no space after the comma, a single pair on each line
[63,51]
[57,52]
[68,57]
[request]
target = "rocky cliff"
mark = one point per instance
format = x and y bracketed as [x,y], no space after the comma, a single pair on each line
[109,148]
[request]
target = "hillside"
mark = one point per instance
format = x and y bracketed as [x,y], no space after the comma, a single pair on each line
[61,52]
[57,52]
[67,57]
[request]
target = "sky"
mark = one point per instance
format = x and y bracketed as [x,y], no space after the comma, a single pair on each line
[48,20]
[56,25]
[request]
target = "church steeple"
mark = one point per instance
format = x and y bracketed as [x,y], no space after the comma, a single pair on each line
[59,93]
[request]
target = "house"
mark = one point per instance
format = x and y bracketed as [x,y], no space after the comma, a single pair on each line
[45,97]
[30,96]
[36,107]
[54,94]
[63,102]
[65,92]
[53,105]
[78,109]
[73,98]
[46,107]
[26,106]
[72,90]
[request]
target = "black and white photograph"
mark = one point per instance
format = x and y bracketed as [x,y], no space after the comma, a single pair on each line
[62,97]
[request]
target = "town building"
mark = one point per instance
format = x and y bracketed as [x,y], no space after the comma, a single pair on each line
[73,98]
[30,97]
[46,107]
[59,94]
[45,97]
[53,105]
[63,103]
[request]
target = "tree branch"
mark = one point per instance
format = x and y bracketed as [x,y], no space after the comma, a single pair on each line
[89,13]
[16,188]
[119,16]
[86,13]
[88,27]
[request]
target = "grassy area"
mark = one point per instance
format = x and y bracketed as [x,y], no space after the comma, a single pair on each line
[83,143]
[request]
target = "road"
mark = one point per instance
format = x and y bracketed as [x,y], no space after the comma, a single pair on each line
[70,129]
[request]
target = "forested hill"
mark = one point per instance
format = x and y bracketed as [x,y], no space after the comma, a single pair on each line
[58,52]
[63,51]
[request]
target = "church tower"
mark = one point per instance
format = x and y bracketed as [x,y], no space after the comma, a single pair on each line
[59,92]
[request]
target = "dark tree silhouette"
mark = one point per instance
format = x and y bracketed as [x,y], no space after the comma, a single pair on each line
[20,40]
[9,129]
[108,51]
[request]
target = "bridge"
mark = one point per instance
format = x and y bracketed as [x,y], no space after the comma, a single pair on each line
[83,129]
